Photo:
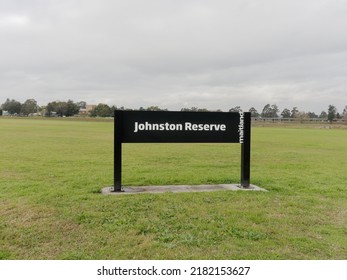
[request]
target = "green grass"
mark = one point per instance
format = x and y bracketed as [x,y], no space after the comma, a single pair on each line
[51,173]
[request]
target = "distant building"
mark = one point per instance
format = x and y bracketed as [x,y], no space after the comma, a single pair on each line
[87,110]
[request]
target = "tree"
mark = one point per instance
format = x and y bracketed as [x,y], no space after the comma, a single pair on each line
[274,110]
[62,108]
[82,104]
[72,108]
[192,109]
[236,109]
[323,115]
[186,109]
[29,106]
[101,110]
[254,112]
[58,107]
[312,115]
[12,106]
[344,113]
[202,110]
[286,113]
[270,111]
[50,108]
[301,116]
[266,111]
[155,108]
[332,111]
[294,112]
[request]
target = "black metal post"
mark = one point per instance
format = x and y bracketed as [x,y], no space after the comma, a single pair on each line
[246,151]
[118,115]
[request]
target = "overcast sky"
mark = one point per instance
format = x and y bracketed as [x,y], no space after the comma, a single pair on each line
[214,54]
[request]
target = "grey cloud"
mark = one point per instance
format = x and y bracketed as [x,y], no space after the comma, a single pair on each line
[214,54]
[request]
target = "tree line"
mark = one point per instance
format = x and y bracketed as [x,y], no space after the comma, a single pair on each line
[71,108]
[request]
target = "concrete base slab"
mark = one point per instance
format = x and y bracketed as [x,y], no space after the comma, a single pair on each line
[180,188]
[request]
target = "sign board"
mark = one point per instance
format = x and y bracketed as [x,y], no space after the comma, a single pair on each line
[181,127]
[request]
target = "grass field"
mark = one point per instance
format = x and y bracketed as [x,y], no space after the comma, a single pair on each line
[52,171]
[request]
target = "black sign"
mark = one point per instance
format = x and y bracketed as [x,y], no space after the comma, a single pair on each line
[182,127]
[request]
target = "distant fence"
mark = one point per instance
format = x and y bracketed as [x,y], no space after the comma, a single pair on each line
[297,120]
